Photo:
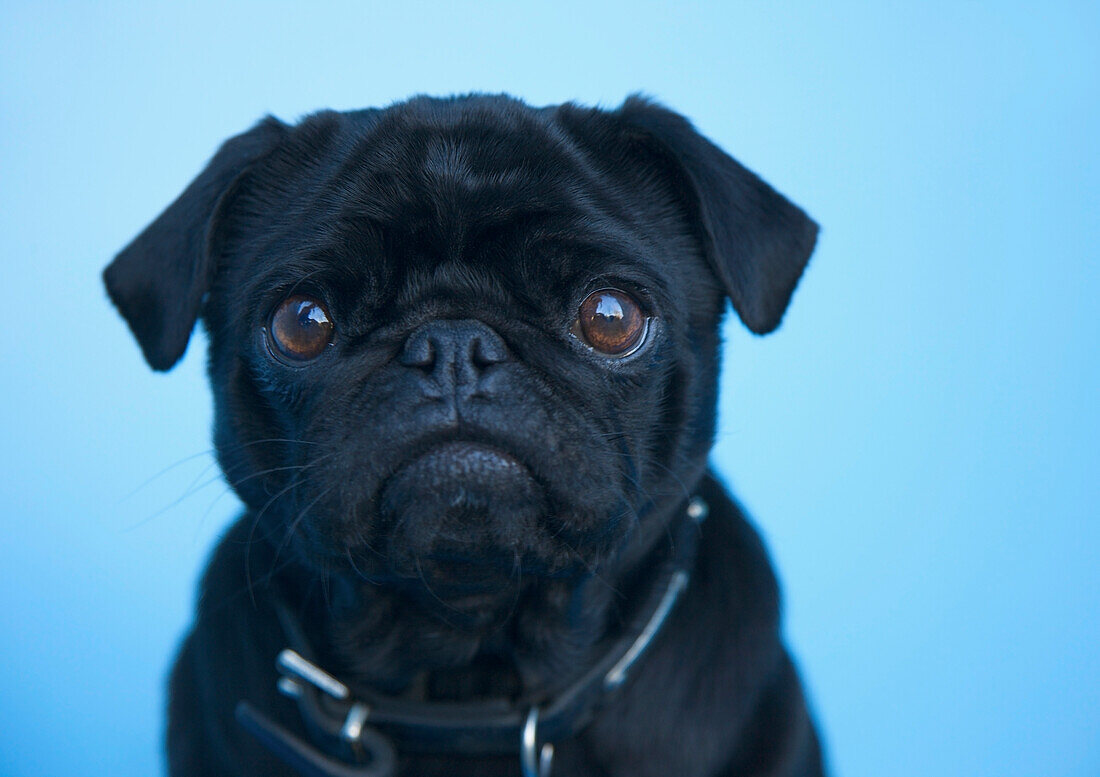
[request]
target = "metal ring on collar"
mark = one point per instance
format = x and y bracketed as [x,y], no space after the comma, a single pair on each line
[534,766]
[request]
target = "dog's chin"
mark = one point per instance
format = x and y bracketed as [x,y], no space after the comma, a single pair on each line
[462,519]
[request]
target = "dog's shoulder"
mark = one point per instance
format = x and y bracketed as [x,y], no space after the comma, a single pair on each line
[718,670]
[734,569]
[757,681]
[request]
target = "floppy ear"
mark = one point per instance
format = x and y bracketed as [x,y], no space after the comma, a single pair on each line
[159,280]
[756,241]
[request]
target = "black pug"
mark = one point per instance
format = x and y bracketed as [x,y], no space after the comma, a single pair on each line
[464,355]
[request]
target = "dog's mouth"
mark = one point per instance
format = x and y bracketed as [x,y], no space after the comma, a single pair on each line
[476,462]
[461,517]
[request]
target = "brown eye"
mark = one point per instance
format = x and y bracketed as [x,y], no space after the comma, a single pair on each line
[300,328]
[610,321]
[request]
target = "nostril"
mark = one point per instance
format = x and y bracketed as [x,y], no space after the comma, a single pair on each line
[488,350]
[419,351]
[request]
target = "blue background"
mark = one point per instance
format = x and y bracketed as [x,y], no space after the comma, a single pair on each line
[918,442]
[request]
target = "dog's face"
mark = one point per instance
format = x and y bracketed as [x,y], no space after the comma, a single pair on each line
[463,344]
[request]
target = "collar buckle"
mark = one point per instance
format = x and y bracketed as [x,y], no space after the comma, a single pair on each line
[299,677]
[295,670]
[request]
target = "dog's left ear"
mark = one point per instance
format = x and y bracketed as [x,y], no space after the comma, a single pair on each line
[756,241]
[159,280]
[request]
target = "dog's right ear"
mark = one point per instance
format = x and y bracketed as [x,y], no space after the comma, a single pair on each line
[159,280]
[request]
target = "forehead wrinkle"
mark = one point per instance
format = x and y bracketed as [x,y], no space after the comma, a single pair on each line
[289,276]
[306,239]
[439,157]
[454,282]
[451,181]
[601,236]
[329,250]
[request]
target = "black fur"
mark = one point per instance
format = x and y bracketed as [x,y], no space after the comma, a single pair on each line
[452,242]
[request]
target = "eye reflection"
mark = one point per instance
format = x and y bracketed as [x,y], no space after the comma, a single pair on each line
[300,328]
[611,322]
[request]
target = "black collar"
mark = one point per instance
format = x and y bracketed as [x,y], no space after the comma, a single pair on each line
[336,717]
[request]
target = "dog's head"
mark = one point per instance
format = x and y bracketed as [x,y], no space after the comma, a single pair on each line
[463,342]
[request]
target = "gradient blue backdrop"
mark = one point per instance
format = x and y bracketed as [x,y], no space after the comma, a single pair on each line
[918,442]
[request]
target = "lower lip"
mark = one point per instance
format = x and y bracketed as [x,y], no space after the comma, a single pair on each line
[464,459]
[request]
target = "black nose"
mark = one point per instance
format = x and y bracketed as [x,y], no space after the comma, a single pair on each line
[454,354]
